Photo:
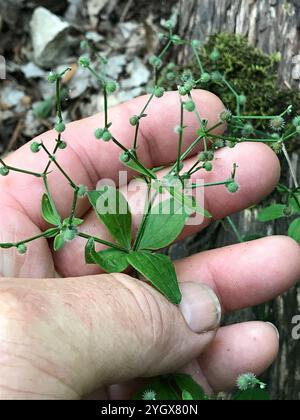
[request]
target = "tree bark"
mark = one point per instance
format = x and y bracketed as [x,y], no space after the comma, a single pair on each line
[273,26]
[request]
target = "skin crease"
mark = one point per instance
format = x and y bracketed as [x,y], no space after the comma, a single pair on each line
[67,338]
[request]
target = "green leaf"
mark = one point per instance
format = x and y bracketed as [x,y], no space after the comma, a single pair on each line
[112,209]
[273,212]
[50,233]
[256,394]
[159,270]
[111,260]
[49,212]
[59,242]
[186,396]
[43,109]
[294,230]
[89,247]
[186,383]
[75,222]
[188,202]
[133,165]
[164,225]
[293,202]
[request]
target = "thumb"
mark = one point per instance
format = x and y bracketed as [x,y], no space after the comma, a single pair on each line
[84,333]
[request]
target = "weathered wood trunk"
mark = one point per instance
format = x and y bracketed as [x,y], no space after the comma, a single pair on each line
[274,26]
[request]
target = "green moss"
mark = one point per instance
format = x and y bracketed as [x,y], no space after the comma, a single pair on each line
[250,71]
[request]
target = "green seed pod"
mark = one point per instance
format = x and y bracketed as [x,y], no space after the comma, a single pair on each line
[219,143]
[225,115]
[53,77]
[208,166]
[248,129]
[155,61]
[230,144]
[176,39]
[171,66]
[82,189]
[216,76]
[277,123]
[70,234]
[111,87]
[84,61]
[169,24]
[249,381]
[195,43]
[125,157]
[99,133]
[60,127]
[233,187]
[182,91]
[35,147]
[210,155]
[296,121]
[62,145]
[189,85]
[134,120]
[106,136]
[202,156]
[189,106]
[277,147]
[242,99]
[159,91]
[170,76]
[205,78]
[4,171]
[215,55]
[22,248]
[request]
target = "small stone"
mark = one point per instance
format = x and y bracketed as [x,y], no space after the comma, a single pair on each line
[49,39]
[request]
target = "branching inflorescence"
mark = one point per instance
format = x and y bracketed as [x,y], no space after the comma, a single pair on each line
[177,183]
[161,223]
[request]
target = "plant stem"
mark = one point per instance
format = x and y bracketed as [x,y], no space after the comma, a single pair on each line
[293,174]
[136,136]
[212,184]
[243,139]
[45,180]
[52,158]
[197,56]
[105,107]
[141,230]
[132,156]
[235,229]
[180,137]
[26,241]
[103,242]
[73,208]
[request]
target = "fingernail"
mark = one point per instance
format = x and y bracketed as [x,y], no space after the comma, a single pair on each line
[275,328]
[200,307]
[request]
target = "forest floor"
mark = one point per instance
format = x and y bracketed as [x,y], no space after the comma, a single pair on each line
[122,32]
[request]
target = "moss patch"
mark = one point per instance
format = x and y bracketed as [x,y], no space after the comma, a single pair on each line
[251,72]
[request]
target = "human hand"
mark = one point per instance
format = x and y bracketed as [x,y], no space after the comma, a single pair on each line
[65,338]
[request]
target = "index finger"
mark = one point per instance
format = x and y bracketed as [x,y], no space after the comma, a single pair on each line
[86,160]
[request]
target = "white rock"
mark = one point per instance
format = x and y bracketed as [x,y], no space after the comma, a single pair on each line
[49,38]
[11,96]
[30,70]
[115,66]
[139,74]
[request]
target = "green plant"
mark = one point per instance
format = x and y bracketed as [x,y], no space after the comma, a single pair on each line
[169,201]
